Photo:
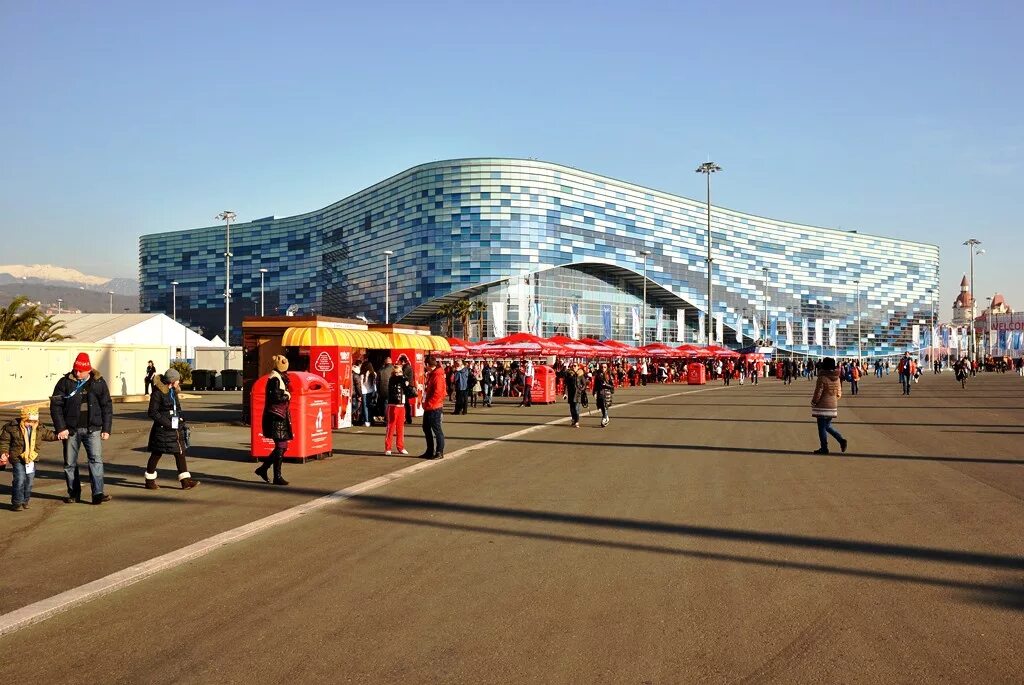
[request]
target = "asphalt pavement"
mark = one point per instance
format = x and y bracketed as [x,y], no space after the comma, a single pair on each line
[695,539]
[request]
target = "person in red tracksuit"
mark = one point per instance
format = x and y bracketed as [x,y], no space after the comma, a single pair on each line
[433,409]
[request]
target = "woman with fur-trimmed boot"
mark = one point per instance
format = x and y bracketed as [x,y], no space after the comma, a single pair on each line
[167,436]
[277,425]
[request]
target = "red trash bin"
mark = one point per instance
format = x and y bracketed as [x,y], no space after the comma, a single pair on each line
[310,412]
[543,391]
[696,373]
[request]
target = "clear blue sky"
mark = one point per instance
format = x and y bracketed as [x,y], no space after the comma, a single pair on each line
[120,119]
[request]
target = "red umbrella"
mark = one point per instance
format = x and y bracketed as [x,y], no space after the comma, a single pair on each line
[522,345]
[722,352]
[460,347]
[657,349]
[624,350]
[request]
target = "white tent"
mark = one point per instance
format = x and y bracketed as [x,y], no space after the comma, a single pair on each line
[133,329]
[216,342]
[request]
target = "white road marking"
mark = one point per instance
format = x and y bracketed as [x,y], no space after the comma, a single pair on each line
[47,608]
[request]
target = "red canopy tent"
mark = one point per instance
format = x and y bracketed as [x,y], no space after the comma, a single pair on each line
[578,347]
[722,352]
[521,345]
[661,350]
[624,350]
[460,348]
[687,351]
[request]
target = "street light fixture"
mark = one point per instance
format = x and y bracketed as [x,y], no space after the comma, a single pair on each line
[971,243]
[643,322]
[989,348]
[227,216]
[59,301]
[111,293]
[708,168]
[263,272]
[387,285]
[174,315]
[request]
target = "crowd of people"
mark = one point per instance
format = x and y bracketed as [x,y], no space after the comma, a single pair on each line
[81,409]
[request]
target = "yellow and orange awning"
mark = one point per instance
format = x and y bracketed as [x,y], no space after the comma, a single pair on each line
[335,337]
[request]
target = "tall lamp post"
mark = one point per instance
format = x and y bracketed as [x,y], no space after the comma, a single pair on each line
[971,243]
[857,282]
[111,294]
[387,285]
[59,301]
[227,216]
[174,314]
[764,270]
[643,317]
[989,348]
[263,272]
[708,168]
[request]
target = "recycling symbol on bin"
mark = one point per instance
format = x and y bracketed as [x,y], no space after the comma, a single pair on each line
[324,363]
[320,419]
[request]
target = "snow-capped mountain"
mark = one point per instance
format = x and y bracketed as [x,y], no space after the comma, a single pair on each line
[47,274]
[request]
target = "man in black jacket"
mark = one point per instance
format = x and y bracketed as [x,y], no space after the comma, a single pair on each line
[82,414]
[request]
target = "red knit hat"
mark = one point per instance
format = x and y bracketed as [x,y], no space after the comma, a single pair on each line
[82,362]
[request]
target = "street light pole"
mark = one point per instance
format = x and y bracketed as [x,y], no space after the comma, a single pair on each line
[857,282]
[643,317]
[387,285]
[263,272]
[174,314]
[227,216]
[989,350]
[708,168]
[971,243]
[764,269]
[111,294]
[59,301]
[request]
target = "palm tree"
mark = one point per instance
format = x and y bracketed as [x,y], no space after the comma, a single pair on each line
[22,321]
[446,310]
[463,309]
[479,307]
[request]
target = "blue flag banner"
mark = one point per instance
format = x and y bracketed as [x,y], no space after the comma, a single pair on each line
[774,333]
[606,320]
[1001,340]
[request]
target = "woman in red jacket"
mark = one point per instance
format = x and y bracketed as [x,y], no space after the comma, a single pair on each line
[433,409]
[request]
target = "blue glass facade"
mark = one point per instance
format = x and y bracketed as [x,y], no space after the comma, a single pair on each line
[485,228]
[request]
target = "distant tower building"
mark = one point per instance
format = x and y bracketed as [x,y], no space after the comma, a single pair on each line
[962,304]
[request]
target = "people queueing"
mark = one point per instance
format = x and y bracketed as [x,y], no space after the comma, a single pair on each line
[410,398]
[383,377]
[368,390]
[825,404]
[150,375]
[168,434]
[82,414]
[604,388]
[434,393]
[398,391]
[907,371]
[18,441]
[277,424]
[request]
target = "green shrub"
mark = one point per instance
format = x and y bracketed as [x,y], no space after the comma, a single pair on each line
[185,369]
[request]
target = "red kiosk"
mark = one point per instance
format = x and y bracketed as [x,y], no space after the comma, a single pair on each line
[414,343]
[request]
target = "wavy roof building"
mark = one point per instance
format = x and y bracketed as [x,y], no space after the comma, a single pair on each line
[554,249]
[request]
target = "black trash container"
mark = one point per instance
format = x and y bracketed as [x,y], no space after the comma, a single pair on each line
[231,379]
[200,379]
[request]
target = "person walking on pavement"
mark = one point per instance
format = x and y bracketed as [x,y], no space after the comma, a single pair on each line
[604,388]
[855,378]
[825,404]
[398,391]
[18,440]
[168,435]
[82,414]
[277,423]
[488,379]
[368,390]
[573,379]
[383,377]
[907,368]
[461,381]
[433,409]
[150,375]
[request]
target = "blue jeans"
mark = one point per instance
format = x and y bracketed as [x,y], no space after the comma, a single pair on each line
[94,450]
[574,411]
[21,487]
[433,432]
[905,382]
[825,426]
[367,406]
